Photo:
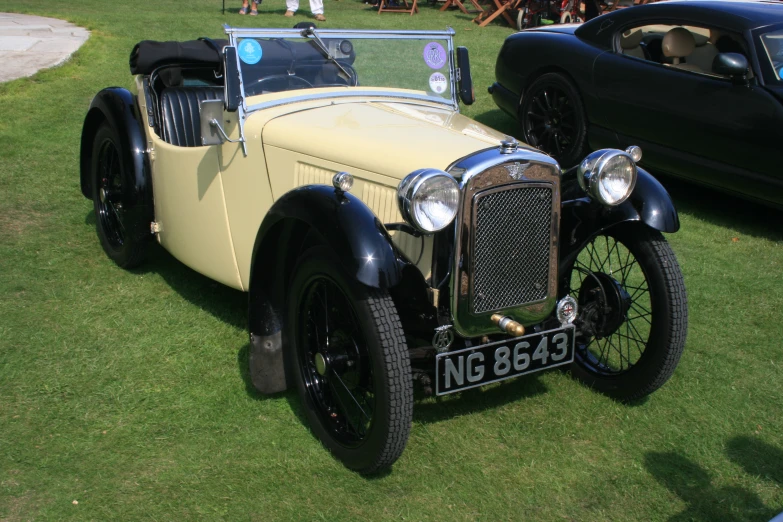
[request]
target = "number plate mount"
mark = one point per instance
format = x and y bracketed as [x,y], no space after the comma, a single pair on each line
[479,365]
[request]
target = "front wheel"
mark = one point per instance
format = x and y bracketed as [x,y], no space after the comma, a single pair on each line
[633,312]
[348,357]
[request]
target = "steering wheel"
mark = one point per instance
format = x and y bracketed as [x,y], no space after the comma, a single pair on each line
[287,81]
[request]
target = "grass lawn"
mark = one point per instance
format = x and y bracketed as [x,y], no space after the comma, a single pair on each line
[127,391]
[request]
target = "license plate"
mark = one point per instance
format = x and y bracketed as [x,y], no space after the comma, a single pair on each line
[493,362]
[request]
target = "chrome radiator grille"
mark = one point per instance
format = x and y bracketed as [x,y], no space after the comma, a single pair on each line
[511,245]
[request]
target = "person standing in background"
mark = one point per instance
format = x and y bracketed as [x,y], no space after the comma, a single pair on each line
[316,7]
[253,11]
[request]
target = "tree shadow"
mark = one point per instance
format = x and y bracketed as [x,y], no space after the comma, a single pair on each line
[756,457]
[689,481]
[476,400]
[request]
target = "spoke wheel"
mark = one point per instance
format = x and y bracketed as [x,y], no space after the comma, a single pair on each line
[123,235]
[336,366]
[633,315]
[109,209]
[553,119]
[346,353]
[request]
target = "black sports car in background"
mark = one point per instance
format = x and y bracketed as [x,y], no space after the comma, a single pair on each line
[697,84]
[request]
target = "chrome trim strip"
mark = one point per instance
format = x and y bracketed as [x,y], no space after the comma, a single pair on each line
[348,94]
[341,33]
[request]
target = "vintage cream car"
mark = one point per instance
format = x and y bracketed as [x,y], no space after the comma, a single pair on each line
[383,238]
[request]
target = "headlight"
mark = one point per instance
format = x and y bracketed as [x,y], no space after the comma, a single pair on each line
[428,199]
[608,175]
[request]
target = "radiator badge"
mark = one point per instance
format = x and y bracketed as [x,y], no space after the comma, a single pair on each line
[443,338]
[516,170]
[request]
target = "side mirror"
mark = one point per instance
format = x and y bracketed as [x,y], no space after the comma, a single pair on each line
[464,79]
[232,93]
[210,116]
[733,65]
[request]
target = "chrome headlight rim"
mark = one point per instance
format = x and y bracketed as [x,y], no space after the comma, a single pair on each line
[409,187]
[593,168]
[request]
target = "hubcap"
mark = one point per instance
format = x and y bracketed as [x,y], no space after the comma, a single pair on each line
[320,364]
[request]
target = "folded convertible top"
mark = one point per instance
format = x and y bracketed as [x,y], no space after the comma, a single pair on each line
[148,55]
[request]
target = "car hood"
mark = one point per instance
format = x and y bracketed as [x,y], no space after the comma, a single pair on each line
[389,138]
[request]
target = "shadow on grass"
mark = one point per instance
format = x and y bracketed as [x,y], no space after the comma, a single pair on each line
[756,457]
[476,400]
[226,304]
[500,121]
[693,485]
[725,210]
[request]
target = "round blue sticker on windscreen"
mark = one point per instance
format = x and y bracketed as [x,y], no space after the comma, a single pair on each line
[250,51]
[434,55]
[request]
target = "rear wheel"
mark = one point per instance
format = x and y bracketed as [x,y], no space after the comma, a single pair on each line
[120,235]
[553,118]
[348,358]
[633,314]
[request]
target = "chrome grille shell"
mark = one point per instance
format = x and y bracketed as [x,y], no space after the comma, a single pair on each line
[518,248]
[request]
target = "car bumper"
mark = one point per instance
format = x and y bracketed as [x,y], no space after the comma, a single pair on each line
[505,99]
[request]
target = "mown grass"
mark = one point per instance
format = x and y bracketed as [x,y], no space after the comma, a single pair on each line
[127,391]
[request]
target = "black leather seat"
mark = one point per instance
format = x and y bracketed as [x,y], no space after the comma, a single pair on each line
[180,123]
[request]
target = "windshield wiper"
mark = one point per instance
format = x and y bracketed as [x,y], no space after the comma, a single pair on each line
[310,31]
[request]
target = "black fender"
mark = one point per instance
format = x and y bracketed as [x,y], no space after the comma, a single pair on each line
[314,214]
[583,219]
[118,107]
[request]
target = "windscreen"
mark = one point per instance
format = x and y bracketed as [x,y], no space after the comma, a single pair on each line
[773,45]
[419,66]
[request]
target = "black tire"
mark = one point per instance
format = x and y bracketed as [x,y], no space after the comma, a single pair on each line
[362,353]
[553,118]
[631,273]
[122,237]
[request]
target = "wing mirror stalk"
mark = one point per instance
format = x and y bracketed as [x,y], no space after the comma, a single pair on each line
[464,79]
[212,132]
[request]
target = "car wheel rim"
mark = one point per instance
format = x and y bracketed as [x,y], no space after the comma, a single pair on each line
[615,312]
[335,363]
[550,121]
[110,206]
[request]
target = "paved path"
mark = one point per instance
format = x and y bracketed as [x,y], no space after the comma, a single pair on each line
[31,43]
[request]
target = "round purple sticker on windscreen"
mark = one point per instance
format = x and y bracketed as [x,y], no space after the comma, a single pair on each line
[434,55]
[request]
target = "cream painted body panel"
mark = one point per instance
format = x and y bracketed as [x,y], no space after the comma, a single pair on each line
[388,138]
[211,201]
[190,206]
